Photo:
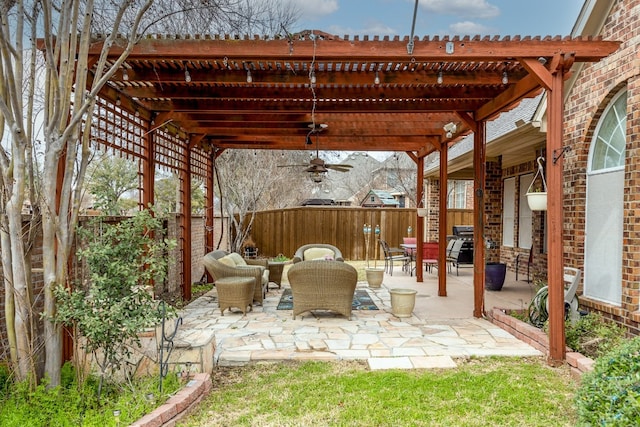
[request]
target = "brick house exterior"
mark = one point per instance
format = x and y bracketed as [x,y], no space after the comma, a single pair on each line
[594,88]
[589,93]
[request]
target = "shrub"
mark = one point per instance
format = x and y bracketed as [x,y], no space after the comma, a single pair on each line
[592,335]
[115,305]
[610,394]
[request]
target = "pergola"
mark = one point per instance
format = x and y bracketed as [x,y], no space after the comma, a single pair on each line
[191,98]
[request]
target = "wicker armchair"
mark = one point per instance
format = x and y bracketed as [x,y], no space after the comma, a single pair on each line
[224,264]
[322,285]
[313,251]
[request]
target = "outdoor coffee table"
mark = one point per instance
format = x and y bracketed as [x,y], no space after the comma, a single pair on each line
[235,291]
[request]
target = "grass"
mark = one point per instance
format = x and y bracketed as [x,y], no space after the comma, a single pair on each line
[481,392]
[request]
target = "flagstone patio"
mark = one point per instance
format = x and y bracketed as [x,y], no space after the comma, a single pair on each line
[441,330]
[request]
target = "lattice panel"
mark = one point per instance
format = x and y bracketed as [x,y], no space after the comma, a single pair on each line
[170,151]
[199,162]
[118,129]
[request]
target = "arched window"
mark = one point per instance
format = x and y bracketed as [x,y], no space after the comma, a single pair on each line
[610,138]
[605,204]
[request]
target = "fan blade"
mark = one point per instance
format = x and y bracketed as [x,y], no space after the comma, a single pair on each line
[337,169]
[293,166]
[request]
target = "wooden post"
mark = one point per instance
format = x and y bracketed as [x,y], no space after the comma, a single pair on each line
[185,204]
[554,166]
[479,178]
[420,220]
[442,221]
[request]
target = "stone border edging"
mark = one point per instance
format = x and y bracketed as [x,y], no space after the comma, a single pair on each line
[178,405]
[538,339]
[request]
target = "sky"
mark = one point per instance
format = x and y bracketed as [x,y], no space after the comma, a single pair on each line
[439,17]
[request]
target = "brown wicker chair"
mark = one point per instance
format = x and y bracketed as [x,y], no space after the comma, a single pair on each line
[322,285]
[317,250]
[241,268]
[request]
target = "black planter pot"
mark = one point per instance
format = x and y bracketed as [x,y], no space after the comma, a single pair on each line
[494,275]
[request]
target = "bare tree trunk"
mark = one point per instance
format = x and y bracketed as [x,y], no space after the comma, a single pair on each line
[9,299]
[52,332]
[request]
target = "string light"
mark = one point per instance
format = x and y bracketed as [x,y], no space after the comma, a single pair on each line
[505,76]
[118,102]
[187,76]
[125,74]
[249,78]
[312,77]
[439,80]
[376,80]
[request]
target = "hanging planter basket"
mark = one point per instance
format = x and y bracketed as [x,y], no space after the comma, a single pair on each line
[537,201]
[422,212]
[537,197]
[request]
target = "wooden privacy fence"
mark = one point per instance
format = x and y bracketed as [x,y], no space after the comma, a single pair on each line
[285,230]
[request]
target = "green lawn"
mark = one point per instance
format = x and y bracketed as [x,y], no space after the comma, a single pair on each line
[481,392]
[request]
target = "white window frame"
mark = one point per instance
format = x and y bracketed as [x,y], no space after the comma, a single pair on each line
[525,215]
[508,212]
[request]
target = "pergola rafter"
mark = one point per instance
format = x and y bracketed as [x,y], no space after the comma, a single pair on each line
[194,97]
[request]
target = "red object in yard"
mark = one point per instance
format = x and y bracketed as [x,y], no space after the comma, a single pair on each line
[430,255]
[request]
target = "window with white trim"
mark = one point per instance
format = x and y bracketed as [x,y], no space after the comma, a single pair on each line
[610,140]
[508,211]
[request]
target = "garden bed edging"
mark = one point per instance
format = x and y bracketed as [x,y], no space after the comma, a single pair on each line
[538,339]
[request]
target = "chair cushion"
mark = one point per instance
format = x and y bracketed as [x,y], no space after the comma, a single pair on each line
[239,261]
[227,260]
[315,253]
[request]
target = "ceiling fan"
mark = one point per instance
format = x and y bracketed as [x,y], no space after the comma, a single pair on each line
[316,166]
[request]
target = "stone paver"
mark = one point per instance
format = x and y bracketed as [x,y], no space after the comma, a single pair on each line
[376,336]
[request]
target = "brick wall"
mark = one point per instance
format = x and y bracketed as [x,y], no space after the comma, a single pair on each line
[432,204]
[593,90]
[508,255]
[493,207]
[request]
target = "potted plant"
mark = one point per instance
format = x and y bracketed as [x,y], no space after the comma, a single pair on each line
[537,191]
[495,272]
[402,301]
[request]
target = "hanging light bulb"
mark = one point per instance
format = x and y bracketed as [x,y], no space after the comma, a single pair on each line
[312,77]
[376,80]
[316,177]
[249,78]
[439,80]
[187,76]
[505,77]
[125,74]
[118,102]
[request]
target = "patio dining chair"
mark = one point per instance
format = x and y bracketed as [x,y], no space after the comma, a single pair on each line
[392,255]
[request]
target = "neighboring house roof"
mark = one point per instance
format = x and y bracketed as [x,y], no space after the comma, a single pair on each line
[517,123]
[344,186]
[383,198]
[319,202]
